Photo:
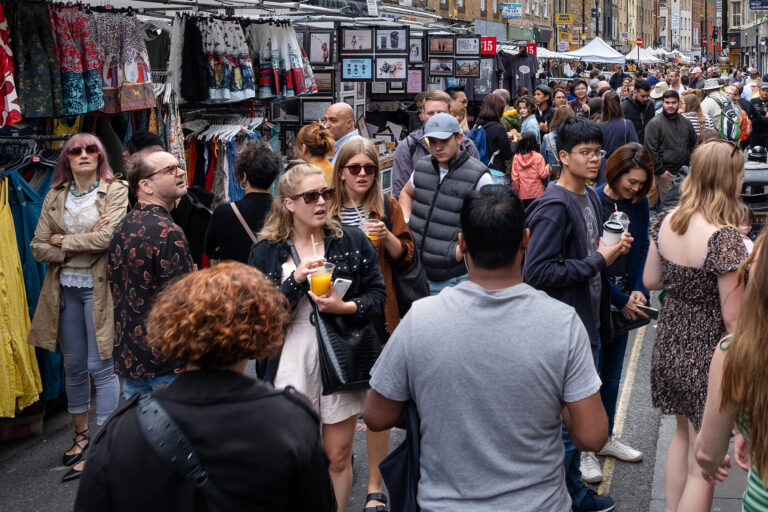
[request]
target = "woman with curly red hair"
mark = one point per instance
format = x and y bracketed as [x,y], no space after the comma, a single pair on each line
[261,448]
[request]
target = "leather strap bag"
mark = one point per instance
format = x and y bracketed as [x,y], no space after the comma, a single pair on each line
[242,221]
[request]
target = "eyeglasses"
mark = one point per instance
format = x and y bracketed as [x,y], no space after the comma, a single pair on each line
[355,169]
[90,149]
[168,171]
[311,196]
[600,153]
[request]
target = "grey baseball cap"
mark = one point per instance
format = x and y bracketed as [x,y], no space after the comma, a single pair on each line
[441,126]
[764,85]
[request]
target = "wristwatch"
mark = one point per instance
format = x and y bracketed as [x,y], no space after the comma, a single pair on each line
[61,240]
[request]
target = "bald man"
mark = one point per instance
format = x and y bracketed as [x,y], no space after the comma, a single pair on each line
[340,119]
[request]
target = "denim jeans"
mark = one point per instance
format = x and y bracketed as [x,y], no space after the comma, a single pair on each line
[609,365]
[436,287]
[145,385]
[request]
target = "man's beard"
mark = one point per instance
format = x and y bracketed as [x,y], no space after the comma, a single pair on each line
[669,116]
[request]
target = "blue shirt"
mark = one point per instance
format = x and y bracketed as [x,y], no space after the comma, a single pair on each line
[354,134]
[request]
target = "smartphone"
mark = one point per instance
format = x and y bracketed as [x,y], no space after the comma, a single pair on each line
[342,285]
[651,312]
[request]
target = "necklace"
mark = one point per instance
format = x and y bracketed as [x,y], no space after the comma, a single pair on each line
[74,192]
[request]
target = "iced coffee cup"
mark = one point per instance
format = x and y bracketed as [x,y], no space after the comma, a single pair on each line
[612,231]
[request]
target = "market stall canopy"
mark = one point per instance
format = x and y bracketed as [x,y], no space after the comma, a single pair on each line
[597,51]
[639,54]
[544,53]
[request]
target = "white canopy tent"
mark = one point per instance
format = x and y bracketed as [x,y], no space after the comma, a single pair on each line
[541,53]
[639,54]
[597,51]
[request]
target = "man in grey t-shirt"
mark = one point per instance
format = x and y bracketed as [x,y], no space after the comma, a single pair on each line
[494,366]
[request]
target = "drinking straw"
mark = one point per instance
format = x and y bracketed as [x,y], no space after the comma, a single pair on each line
[314,252]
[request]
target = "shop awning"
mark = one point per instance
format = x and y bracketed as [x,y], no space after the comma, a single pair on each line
[597,51]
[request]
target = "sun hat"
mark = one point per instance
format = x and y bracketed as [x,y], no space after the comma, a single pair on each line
[711,84]
[660,89]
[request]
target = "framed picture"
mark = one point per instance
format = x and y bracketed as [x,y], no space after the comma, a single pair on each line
[397,87]
[467,68]
[484,84]
[314,110]
[435,83]
[321,47]
[360,91]
[379,88]
[391,67]
[468,45]
[290,140]
[324,82]
[348,86]
[453,82]
[356,40]
[415,78]
[391,40]
[441,66]
[349,100]
[416,50]
[285,110]
[362,127]
[360,112]
[356,69]
[440,45]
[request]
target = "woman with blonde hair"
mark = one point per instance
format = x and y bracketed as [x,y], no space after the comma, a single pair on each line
[737,390]
[298,238]
[695,253]
[314,143]
[360,203]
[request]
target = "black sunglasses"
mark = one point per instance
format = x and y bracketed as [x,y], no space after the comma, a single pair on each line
[355,169]
[312,196]
[90,149]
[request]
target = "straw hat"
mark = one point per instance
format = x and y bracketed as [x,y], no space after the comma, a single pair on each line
[660,89]
[711,84]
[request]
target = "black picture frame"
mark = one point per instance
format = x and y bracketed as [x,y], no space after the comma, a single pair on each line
[416,50]
[392,40]
[355,40]
[318,55]
[484,85]
[360,110]
[466,68]
[467,45]
[325,82]
[286,111]
[314,109]
[391,68]
[437,66]
[441,45]
[415,83]
[358,68]
[396,87]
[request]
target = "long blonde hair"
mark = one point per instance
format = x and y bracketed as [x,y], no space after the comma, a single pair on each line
[373,200]
[745,379]
[278,226]
[710,189]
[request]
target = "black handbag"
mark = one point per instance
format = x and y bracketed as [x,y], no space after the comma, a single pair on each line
[401,468]
[410,282]
[347,349]
[622,324]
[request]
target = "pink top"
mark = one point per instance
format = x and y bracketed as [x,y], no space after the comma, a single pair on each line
[527,172]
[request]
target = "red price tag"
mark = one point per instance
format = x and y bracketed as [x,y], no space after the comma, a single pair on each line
[36,159]
[531,48]
[487,46]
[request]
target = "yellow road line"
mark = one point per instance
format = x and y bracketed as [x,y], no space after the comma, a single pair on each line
[621,409]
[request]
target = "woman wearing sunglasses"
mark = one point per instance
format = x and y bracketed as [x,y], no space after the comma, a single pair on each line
[359,203]
[299,219]
[78,217]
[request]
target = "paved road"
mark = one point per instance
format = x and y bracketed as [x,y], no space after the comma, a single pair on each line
[30,471]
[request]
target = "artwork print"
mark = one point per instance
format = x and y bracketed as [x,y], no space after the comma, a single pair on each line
[468,68]
[416,50]
[391,68]
[357,40]
[391,40]
[441,67]
[467,46]
[439,45]
[484,84]
[356,68]
[320,51]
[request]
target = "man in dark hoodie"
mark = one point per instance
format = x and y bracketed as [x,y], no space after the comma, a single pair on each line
[638,108]
[567,259]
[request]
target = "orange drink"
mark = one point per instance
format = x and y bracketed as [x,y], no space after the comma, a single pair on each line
[320,280]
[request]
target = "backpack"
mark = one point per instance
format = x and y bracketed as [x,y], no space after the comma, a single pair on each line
[478,136]
[745,123]
[730,122]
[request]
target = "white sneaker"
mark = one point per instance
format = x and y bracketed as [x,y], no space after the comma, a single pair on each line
[590,468]
[615,448]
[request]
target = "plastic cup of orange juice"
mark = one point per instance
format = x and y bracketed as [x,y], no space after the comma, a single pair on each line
[366,224]
[320,280]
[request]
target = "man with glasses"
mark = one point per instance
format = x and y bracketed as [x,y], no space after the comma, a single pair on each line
[147,251]
[431,201]
[567,259]
[670,138]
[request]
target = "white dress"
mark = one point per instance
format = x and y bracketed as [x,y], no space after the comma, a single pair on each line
[300,366]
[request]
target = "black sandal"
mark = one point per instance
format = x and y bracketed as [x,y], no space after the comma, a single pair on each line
[376,496]
[74,458]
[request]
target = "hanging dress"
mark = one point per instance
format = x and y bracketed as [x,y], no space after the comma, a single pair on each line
[11,111]
[230,72]
[276,54]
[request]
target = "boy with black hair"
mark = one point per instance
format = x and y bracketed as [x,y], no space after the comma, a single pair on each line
[567,259]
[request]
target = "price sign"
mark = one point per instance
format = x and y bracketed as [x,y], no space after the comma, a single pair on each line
[530,48]
[488,46]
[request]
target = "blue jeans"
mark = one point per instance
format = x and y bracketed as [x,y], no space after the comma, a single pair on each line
[609,365]
[436,287]
[145,385]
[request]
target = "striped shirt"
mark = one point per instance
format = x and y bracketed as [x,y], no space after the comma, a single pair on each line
[351,217]
[695,122]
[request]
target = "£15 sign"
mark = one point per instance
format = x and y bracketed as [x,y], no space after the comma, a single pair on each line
[488,46]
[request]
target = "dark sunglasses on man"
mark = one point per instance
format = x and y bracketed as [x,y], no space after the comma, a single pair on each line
[355,169]
[90,149]
[311,196]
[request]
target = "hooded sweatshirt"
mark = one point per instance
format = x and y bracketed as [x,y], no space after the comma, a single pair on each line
[527,172]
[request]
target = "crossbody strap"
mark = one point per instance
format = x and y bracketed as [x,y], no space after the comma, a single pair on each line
[170,443]
[242,221]
[549,145]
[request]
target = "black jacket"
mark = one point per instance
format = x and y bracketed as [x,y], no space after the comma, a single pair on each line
[759,122]
[260,447]
[671,142]
[640,115]
[496,140]
[617,79]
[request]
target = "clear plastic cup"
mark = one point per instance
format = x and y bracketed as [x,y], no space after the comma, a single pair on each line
[622,218]
[320,279]
[366,224]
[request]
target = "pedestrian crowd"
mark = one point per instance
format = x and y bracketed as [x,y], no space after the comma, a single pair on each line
[493,291]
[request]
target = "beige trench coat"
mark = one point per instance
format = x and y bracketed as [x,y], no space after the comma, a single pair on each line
[112,201]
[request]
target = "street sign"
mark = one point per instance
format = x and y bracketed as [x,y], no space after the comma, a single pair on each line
[624,36]
[487,45]
[511,11]
[583,37]
[639,41]
[562,46]
[704,40]
[564,19]
[758,5]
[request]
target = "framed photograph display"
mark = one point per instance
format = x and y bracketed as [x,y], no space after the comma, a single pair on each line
[468,45]
[321,47]
[484,84]
[397,87]
[441,66]
[416,50]
[356,69]
[348,86]
[441,45]
[285,111]
[391,67]
[467,68]
[356,40]
[324,81]
[415,78]
[379,88]
[360,91]
[360,111]
[314,110]
[392,40]
[349,100]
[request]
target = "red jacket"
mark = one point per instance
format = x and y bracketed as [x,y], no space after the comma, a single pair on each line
[527,172]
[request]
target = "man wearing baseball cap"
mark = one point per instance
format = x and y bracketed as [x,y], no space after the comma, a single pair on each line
[432,198]
[697,81]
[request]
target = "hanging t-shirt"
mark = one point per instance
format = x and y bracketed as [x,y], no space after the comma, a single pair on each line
[491,78]
[519,71]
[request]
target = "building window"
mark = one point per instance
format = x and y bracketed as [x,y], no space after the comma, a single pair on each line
[527,6]
[536,8]
[495,8]
[482,5]
[546,8]
[735,14]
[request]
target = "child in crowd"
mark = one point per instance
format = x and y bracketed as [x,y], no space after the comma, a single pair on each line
[528,169]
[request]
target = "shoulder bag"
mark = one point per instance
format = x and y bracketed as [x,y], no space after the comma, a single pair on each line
[246,227]
[554,169]
[410,282]
[347,349]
